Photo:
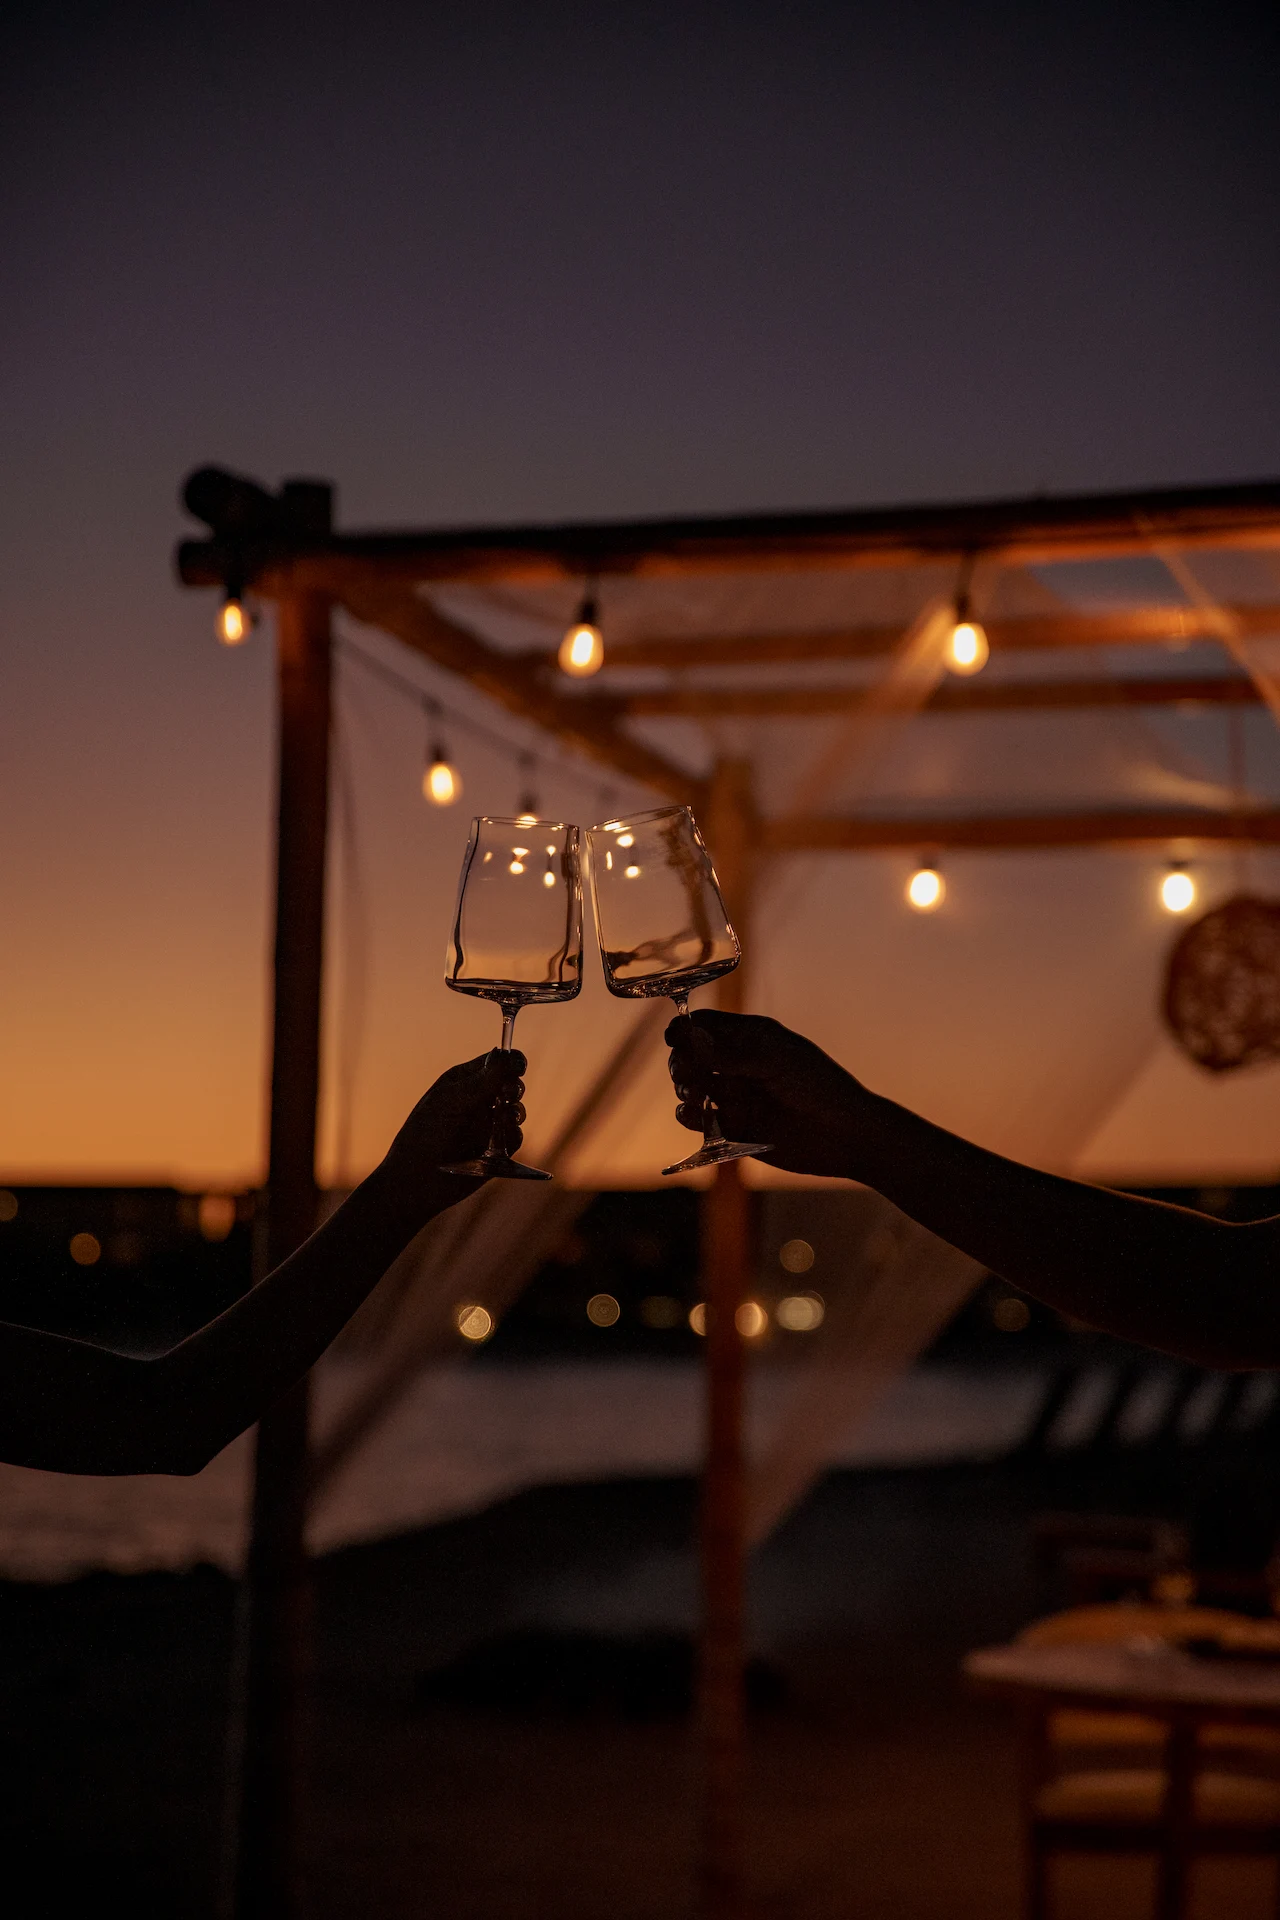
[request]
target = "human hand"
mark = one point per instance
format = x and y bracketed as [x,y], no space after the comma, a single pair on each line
[453,1120]
[768,1083]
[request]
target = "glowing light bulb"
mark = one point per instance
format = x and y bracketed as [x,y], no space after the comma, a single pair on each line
[582,649]
[234,622]
[925,889]
[967,649]
[441,783]
[1177,890]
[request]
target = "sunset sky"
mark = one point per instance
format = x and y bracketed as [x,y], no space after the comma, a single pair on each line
[478,263]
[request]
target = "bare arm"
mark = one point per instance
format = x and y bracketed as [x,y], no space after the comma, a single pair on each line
[1204,1289]
[73,1407]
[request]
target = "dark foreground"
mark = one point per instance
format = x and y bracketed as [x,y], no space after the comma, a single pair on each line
[877,1788]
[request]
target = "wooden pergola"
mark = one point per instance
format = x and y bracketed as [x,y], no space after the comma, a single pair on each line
[282,548]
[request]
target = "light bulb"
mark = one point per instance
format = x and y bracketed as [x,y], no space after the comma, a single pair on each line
[582,649]
[441,783]
[1177,890]
[925,889]
[233,622]
[967,649]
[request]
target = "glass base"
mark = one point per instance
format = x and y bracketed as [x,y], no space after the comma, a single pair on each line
[496,1166]
[711,1152]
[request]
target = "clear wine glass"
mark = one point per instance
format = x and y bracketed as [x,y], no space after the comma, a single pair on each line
[517,939]
[663,929]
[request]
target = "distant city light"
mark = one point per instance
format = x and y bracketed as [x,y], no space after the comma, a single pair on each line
[603,1310]
[800,1312]
[1010,1314]
[85,1249]
[795,1256]
[751,1319]
[473,1322]
[698,1317]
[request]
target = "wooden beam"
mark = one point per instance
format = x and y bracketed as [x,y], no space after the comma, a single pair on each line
[1140,626]
[1021,833]
[587,725]
[1023,532]
[274,1653]
[971,696]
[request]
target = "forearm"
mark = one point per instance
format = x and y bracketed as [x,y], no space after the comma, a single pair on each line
[71,1407]
[216,1383]
[1196,1287]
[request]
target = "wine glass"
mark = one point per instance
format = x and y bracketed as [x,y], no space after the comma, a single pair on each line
[663,929]
[517,939]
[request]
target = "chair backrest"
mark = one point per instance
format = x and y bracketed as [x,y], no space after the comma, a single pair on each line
[1126,1621]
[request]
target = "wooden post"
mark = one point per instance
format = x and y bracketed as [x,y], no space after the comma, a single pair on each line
[274,1646]
[726,1266]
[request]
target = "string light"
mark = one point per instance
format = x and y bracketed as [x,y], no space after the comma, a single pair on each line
[235,622]
[582,649]
[967,647]
[1177,889]
[926,888]
[441,782]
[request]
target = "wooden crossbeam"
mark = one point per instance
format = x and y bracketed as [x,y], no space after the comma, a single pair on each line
[1021,832]
[1140,626]
[1015,532]
[953,697]
[586,726]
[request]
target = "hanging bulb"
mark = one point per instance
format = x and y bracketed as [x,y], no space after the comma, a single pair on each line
[1177,889]
[582,649]
[441,783]
[967,648]
[925,888]
[234,622]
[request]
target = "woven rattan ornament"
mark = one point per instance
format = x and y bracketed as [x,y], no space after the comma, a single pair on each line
[1222,990]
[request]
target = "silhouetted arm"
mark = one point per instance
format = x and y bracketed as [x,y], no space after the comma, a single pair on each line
[1206,1290]
[73,1407]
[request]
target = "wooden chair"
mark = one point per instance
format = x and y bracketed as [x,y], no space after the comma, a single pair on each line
[1095,1782]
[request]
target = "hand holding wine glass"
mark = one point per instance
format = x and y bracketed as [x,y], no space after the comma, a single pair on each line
[517,939]
[663,929]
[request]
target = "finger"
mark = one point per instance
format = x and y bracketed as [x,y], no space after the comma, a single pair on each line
[691,1114]
[684,1038]
[496,1063]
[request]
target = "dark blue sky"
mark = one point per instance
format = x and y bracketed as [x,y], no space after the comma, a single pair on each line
[477,262]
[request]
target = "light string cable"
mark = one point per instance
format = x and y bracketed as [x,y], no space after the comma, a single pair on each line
[520,756]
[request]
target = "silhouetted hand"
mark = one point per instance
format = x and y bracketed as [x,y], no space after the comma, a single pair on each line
[768,1084]
[453,1119]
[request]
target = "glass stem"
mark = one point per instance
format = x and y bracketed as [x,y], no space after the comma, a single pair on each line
[497,1147]
[711,1133]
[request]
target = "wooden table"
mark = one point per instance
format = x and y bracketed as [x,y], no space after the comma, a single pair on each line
[1153,1677]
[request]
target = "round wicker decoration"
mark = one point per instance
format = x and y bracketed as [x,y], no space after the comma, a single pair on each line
[1222,990]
